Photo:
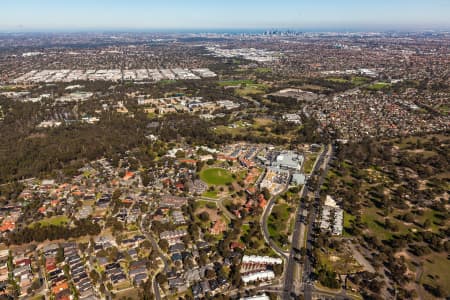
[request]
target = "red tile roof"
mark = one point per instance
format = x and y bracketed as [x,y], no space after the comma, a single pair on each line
[7,226]
[128,175]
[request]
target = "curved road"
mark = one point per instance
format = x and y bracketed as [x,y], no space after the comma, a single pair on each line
[290,273]
[162,256]
[265,228]
[219,203]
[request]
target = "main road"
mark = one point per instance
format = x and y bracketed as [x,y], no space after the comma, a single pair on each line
[297,276]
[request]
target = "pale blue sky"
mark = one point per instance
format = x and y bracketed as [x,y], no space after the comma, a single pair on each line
[30,15]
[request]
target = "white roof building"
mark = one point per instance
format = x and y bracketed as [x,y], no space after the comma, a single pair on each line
[332,217]
[253,259]
[259,276]
[257,297]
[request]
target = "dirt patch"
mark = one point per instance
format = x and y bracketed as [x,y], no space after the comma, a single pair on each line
[213,216]
[252,175]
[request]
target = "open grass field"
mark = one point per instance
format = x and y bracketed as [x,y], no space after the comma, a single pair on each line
[348,218]
[241,127]
[278,224]
[8,88]
[357,80]
[342,262]
[261,127]
[262,122]
[263,70]
[213,216]
[210,208]
[435,217]
[444,109]
[337,80]
[427,265]
[435,271]
[216,176]
[210,194]
[202,204]
[57,221]
[235,82]
[251,89]
[227,130]
[375,224]
[410,142]
[257,129]
[379,86]
[312,88]
[245,228]
[309,162]
[123,285]
[128,294]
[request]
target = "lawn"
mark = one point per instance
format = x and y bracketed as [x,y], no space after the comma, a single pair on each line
[406,143]
[342,262]
[233,131]
[436,271]
[240,124]
[235,82]
[431,215]
[348,218]
[241,127]
[9,88]
[245,229]
[202,204]
[216,176]
[357,80]
[211,209]
[444,109]
[309,162]
[379,86]
[337,80]
[251,89]
[210,194]
[375,223]
[261,127]
[128,294]
[262,122]
[121,286]
[56,220]
[263,70]
[279,229]
[312,88]
[87,174]
[410,142]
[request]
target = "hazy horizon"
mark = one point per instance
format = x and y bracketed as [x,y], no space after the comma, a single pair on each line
[222,30]
[198,15]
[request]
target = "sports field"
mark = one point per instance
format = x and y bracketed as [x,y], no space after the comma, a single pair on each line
[216,176]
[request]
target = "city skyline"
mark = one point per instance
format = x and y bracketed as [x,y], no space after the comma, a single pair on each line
[51,15]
